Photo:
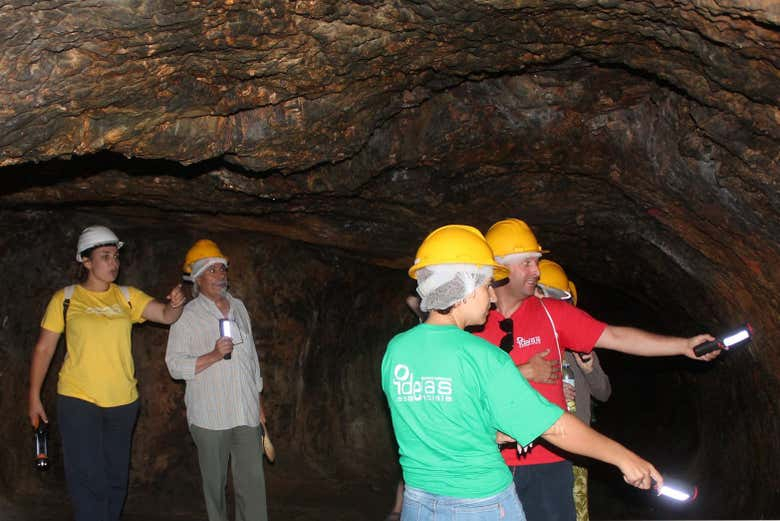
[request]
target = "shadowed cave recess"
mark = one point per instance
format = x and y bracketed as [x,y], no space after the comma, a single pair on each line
[318,142]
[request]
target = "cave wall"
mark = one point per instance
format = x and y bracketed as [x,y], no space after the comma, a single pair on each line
[589,155]
[321,321]
[705,424]
[639,139]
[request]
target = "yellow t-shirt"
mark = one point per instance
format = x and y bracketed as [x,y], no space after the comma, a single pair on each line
[98,366]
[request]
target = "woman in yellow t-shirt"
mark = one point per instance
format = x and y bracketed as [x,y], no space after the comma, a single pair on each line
[97,399]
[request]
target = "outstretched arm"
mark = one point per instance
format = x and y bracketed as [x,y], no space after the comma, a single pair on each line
[570,434]
[643,343]
[168,312]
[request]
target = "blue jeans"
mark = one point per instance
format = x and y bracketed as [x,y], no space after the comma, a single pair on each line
[96,449]
[422,506]
[546,491]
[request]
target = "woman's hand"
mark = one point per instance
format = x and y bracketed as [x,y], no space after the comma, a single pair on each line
[36,413]
[176,297]
[639,473]
[41,359]
[168,312]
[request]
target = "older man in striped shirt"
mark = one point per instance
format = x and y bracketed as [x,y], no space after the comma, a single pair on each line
[222,372]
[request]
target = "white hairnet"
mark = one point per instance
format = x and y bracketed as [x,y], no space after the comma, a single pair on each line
[514,258]
[200,265]
[442,285]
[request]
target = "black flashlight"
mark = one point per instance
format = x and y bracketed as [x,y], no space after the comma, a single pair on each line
[225,330]
[41,442]
[734,338]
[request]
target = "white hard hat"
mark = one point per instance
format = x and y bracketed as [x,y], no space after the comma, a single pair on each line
[93,236]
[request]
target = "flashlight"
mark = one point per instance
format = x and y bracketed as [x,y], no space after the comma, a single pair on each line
[735,338]
[678,491]
[41,441]
[225,330]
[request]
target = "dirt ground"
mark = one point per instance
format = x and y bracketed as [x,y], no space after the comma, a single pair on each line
[288,500]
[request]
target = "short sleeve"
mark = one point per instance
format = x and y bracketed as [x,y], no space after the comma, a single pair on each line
[518,409]
[577,329]
[180,361]
[53,317]
[138,300]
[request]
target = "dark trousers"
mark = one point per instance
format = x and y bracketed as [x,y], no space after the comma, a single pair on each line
[546,491]
[96,452]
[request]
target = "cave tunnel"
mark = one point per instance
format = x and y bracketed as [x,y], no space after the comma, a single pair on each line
[318,142]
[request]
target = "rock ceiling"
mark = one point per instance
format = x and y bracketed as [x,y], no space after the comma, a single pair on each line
[635,129]
[639,139]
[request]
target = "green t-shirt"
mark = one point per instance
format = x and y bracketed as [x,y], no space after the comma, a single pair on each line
[449,392]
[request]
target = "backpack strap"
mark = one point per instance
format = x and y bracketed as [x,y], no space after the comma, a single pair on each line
[68,291]
[126,292]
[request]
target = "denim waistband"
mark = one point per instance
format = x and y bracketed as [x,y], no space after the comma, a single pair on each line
[428,498]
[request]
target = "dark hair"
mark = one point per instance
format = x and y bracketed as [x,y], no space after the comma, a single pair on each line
[88,252]
[445,311]
[421,315]
[82,274]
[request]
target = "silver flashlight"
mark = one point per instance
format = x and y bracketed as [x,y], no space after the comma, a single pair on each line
[225,329]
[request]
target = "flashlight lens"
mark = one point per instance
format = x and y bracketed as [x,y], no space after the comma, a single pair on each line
[225,327]
[673,493]
[736,338]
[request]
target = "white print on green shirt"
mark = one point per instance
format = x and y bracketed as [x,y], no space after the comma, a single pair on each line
[425,388]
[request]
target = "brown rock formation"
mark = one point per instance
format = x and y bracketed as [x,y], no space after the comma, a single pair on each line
[321,140]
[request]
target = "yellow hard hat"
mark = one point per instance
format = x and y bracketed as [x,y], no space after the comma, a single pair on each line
[202,249]
[512,236]
[552,277]
[456,244]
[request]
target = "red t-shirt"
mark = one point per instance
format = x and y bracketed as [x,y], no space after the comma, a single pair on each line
[533,333]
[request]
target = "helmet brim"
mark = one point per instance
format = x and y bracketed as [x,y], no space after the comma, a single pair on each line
[555,293]
[500,271]
[118,245]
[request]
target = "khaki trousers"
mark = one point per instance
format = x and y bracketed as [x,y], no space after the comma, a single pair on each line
[241,447]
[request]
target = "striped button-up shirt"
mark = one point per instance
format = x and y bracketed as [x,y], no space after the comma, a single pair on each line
[225,394]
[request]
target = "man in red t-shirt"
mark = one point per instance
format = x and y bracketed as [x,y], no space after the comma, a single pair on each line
[535,332]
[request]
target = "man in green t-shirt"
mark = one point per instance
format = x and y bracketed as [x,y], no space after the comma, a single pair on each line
[452,395]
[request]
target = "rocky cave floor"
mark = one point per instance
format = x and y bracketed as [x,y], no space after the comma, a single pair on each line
[289,499]
[294,498]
